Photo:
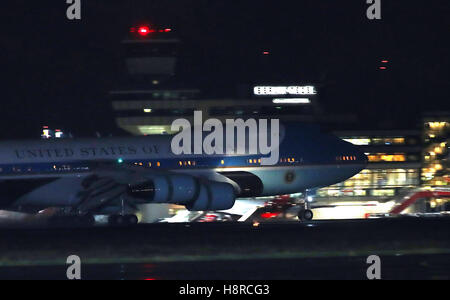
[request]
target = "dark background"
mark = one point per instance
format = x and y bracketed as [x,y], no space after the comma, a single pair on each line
[57,72]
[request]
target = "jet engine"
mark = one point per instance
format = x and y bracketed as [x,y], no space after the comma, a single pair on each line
[186,190]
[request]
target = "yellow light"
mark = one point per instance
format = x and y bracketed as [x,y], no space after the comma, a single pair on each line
[358,141]
[438,150]
[222,162]
[438,167]
[147,110]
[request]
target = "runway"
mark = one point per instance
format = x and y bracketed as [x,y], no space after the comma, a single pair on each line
[409,267]
[410,248]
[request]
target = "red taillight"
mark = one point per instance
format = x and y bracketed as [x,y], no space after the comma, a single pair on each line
[269,215]
[146,30]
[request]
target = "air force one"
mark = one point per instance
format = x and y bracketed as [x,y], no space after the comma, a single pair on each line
[112,176]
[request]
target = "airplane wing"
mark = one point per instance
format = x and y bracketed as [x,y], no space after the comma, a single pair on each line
[115,189]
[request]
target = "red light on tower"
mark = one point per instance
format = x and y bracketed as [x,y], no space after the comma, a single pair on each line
[144,30]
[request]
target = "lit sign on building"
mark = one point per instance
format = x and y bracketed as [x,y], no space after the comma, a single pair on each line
[284,90]
[291,101]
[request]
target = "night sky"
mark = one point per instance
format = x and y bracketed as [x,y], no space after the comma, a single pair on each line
[57,72]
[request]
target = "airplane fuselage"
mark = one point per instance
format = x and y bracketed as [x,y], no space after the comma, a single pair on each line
[308,159]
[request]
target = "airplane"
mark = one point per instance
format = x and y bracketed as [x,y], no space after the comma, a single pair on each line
[112,176]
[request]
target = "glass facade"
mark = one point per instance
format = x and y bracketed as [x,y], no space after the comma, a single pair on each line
[374,182]
[367,141]
[435,171]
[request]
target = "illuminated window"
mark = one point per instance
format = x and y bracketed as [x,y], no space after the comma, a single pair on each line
[383,193]
[382,157]
[358,141]
[388,141]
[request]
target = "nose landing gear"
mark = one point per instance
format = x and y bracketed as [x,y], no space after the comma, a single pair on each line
[305,215]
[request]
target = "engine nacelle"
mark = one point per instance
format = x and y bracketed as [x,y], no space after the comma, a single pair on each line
[184,190]
[213,196]
[173,188]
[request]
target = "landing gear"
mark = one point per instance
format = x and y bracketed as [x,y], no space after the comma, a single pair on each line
[123,220]
[305,215]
